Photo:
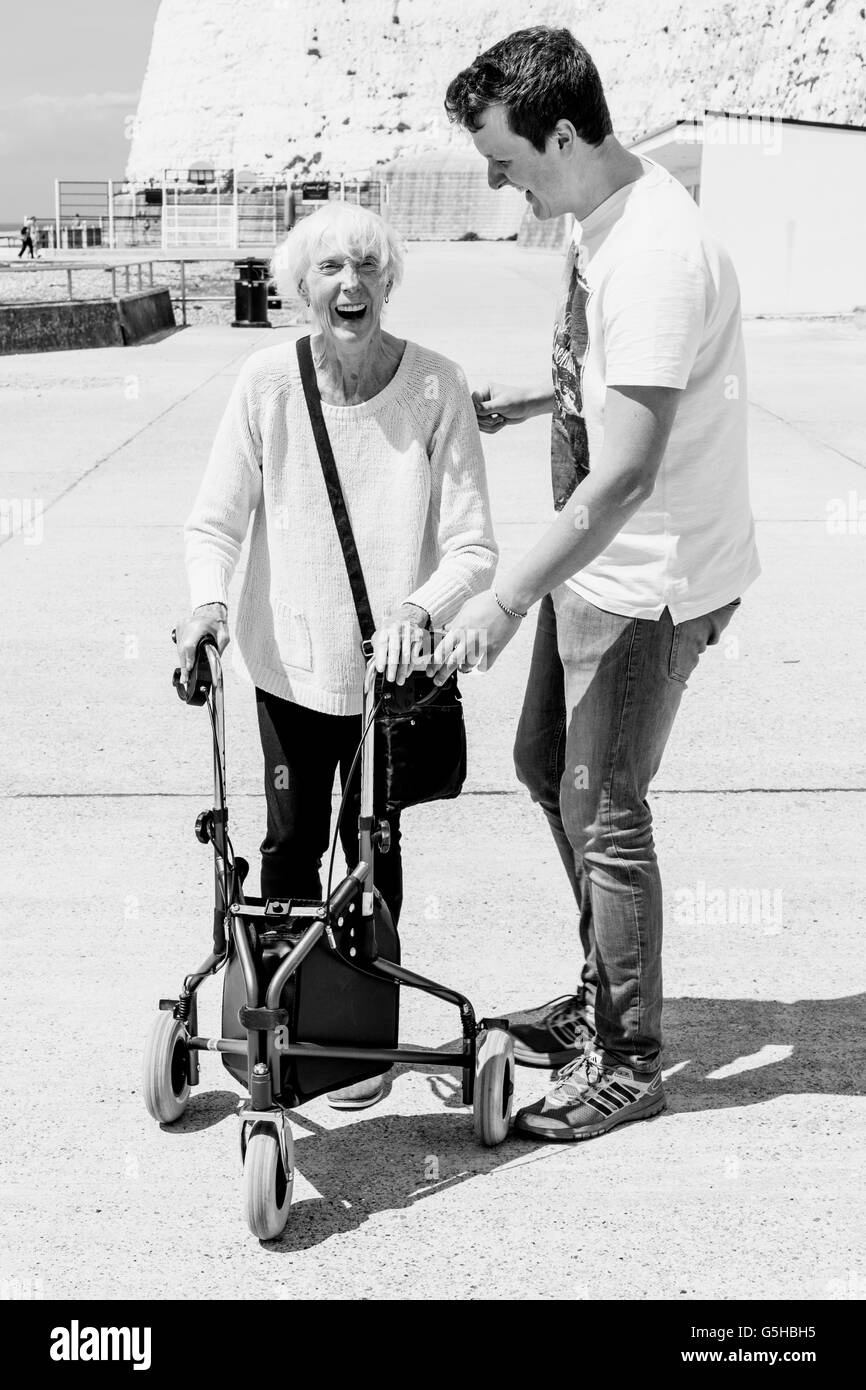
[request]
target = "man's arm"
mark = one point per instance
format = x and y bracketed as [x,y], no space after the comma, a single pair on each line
[497,405]
[637,424]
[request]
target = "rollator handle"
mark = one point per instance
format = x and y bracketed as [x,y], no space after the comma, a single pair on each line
[196,691]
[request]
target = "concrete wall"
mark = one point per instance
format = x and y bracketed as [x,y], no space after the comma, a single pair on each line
[80,323]
[789,203]
[551,235]
[436,205]
[145,313]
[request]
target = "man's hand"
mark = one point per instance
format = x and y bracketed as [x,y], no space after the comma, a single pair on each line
[478,634]
[497,406]
[209,620]
[399,642]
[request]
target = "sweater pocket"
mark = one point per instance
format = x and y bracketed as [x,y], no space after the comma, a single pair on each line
[293,637]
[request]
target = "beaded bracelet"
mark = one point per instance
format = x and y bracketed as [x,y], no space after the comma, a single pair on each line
[504,606]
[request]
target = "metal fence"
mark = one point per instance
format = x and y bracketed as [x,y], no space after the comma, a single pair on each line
[192,208]
[125,277]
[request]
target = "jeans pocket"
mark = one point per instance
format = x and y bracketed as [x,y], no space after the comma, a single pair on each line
[691,639]
[678,667]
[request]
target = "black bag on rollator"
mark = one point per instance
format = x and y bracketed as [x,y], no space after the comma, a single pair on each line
[329,1001]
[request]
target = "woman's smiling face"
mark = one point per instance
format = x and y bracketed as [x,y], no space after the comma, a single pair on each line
[346,291]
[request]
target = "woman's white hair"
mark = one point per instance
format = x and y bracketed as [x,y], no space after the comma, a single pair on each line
[353,230]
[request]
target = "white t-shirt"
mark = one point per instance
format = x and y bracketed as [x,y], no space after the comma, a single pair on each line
[662,308]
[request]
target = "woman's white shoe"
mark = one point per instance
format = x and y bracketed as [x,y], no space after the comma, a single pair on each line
[359,1096]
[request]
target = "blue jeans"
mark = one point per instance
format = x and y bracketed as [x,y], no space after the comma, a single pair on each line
[600,702]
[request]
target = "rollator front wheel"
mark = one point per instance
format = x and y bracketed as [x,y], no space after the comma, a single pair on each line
[494,1086]
[166,1069]
[267,1184]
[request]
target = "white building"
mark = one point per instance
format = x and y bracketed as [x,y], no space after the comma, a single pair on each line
[786,197]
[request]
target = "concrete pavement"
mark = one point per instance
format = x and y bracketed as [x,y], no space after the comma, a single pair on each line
[748,1186]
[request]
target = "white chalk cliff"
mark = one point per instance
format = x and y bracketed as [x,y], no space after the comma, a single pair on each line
[338,86]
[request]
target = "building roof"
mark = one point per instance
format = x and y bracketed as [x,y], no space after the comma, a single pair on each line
[742,116]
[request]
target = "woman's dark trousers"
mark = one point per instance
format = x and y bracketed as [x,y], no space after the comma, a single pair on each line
[302,750]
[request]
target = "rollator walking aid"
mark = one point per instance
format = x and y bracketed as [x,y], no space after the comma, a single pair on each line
[310,990]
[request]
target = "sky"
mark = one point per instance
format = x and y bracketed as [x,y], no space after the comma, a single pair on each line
[70,75]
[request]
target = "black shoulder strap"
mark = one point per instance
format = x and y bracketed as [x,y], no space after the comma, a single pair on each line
[335,491]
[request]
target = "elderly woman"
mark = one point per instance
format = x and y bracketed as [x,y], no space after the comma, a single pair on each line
[403,431]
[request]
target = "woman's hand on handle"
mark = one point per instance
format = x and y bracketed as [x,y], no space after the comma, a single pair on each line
[211,620]
[399,644]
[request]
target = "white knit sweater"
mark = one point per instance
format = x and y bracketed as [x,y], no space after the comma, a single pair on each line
[412,472]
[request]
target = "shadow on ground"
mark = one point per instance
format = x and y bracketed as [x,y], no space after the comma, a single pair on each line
[743,1051]
[384,1163]
[720,1053]
[205,1109]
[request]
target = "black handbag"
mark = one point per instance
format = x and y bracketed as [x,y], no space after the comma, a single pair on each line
[420,751]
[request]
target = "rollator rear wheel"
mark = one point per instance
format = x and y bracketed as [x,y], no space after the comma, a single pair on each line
[494,1086]
[166,1069]
[267,1185]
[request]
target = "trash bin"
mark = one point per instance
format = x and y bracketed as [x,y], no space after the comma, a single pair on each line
[251,294]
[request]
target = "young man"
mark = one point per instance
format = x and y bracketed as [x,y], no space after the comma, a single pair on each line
[646,561]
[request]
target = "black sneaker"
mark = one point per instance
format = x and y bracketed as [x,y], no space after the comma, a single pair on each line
[588,1099]
[551,1035]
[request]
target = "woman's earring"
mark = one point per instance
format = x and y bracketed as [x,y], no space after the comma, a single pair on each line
[387,294]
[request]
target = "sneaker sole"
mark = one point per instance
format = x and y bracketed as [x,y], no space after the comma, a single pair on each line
[565,1135]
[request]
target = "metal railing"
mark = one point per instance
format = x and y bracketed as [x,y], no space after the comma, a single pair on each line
[195,298]
[46,267]
[125,269]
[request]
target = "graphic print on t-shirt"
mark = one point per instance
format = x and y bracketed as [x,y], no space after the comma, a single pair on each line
[569,336]
[569,453]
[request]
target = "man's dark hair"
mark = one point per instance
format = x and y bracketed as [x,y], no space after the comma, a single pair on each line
[541,76]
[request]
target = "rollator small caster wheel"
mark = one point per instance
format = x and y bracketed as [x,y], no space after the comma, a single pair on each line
[166,1069]
[494,1086]
[268,1180]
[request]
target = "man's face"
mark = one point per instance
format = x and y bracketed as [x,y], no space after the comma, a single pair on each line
[512,159]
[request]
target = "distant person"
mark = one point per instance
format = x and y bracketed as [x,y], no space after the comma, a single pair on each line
[645,564]
[407,448]
[27,238]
